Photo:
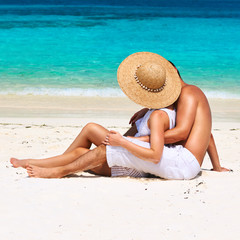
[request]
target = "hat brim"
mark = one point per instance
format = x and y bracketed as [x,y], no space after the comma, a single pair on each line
[136,93]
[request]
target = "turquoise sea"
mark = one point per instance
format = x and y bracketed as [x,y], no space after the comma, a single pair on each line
[74,49]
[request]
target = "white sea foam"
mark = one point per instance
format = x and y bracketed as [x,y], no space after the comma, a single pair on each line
[87,92]
[92,92]
[222,95]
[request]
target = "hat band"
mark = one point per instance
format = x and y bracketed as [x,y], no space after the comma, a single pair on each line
[145,87]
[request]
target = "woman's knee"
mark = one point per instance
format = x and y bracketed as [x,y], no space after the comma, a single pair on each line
[95,129]
[90,126]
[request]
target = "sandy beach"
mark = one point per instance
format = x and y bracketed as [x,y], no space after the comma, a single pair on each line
[84,206]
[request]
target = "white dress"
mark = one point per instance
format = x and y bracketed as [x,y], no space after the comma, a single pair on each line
[176,162]
[143,130]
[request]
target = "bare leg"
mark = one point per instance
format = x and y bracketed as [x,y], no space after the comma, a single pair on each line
[102,170]
[90,160]
[56,161]
[91,133]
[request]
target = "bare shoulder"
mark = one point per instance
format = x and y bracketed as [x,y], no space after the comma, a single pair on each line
[191,88]
[158,114]
[159,118]
[191,92]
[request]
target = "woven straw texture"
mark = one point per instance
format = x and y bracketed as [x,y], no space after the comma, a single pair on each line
[150,69]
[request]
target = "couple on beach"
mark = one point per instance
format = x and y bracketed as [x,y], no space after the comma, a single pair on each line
[162,141]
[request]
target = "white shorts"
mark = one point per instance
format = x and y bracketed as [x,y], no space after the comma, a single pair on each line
[177,162]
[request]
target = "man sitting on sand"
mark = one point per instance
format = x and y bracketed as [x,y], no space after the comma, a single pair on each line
[196,125]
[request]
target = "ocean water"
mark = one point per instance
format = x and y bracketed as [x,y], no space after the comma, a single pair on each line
[74,49]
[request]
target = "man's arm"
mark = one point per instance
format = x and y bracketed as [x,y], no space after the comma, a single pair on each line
[186,112]
[213,154]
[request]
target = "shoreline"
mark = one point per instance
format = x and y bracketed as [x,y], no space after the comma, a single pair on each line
[13,106]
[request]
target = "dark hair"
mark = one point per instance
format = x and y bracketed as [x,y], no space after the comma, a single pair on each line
[176,69]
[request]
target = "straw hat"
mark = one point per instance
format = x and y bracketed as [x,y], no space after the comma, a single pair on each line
[149,80]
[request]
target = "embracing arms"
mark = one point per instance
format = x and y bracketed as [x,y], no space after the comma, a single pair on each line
[158,124]
[186,112]
[185,118]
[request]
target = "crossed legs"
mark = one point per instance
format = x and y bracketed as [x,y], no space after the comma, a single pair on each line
[90,160]
[91,133]
[69,161]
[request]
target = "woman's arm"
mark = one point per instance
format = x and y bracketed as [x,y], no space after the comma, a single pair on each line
[158,123]
[142,138]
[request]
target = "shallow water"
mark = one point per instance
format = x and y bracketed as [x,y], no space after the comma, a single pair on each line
[75,50]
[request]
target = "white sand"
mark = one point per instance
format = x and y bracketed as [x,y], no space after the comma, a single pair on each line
[85,206]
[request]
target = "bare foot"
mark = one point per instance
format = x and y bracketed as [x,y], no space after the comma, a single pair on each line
[18,163]
[222,169]
[39,172]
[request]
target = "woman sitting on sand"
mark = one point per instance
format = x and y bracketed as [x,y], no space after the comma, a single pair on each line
[154,84]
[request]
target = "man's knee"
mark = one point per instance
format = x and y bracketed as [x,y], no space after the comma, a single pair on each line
[101,151]
[99,155]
